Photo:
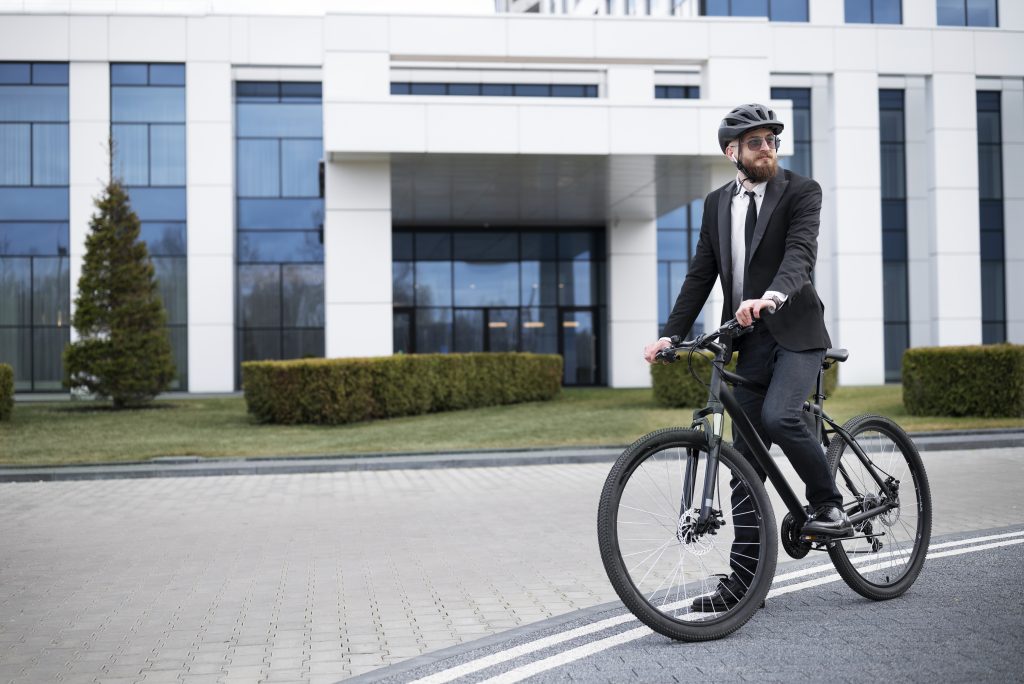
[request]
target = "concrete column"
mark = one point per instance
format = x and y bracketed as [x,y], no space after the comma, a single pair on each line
[826,12]
[1013,206]
[823,170]
[632,299]
[857,244]
[918,213]
[357,259]
[89,170]
[954,239]
[211,227]
[738,66]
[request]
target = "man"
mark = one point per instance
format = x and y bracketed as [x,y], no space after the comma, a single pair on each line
[759,235]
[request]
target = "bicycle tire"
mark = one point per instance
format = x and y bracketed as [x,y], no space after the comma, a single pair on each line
[886,572]
[680,623]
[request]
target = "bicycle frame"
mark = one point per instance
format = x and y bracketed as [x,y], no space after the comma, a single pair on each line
[722,400]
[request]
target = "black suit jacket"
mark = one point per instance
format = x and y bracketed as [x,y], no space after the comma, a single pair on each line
[783,250]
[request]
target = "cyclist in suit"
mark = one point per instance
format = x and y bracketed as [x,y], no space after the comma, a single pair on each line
[759,235]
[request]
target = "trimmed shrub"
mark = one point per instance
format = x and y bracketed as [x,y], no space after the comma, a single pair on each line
[6,391]
[674,386]
[981,380]
[339,391]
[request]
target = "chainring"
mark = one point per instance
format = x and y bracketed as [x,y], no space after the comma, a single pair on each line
[791,538]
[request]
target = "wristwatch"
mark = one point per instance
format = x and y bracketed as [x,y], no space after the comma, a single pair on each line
[778,302]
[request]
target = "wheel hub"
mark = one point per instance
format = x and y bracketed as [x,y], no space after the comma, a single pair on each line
[695,537]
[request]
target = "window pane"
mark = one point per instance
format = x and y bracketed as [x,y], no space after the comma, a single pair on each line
[532,90]
[44,239]
[259,120]
[575,284]
[401,245]
[496,89]
[15,166]
[259,168]
[990,172]
[15,73]
[402,283]
[260,345]
[894,245]
[894,215]
[469,330]
[486,246]
[576,246]
[300,163]
[16,351]
[950,13]
[301,92]
[34,204]
[131,153]
[427,89]
[893,169]
[716,8]
[399,88]
[259,294]
[168,148]
[47,368]
[677,273]
[128,74]
[672,244]
[540,330]
[991,215]
[287,214]
[858,11]
[51,74]
[433,331]
[538,283]
[302,344]
[172,282]
[981,12]
[664,298]
[749,8]
[539,246]
[989,127]
[677,218]
[895,343]
[254,91]
[402,326]
[50,291]
[50,154]
[34,103]
[568,90]
[993,306]
[891,125]
[486,284]
[463,88]
[167,74]
[15,291]
[164,239]
[150,105]
[992,245]
[894,282]
[502,330]
[433,246]
[178,336]
[302,290]
[280,246]
[887,12]
[788,10]
[158,204]
[433,283]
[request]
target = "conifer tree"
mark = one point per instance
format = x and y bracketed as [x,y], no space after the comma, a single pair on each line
[123,351]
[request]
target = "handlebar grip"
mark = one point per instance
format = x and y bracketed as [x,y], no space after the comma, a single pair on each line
[666,355]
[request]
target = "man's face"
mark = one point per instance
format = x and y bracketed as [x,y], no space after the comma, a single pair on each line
[763,163]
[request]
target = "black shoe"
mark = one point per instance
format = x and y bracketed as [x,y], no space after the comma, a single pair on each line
[730,591]
[827,521]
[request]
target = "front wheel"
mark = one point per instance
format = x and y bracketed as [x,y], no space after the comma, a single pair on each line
[662,559]
[888,550]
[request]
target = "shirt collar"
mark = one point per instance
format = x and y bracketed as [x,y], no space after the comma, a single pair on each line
[758,188]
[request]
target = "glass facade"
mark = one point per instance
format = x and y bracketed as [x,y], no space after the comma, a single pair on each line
[280,216]
[502,290]
[496,89]
[34,278]
[799,128]
[677,241]
[874,12]
[147,126]
[775,10]
[676,92]
[990,194]
[967,13]
[896,306]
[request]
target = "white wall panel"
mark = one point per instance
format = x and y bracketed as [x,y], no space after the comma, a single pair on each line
[480,36]
[997,52]
[1013,206]
[553,129]
[953,50]
[371,127]
[826,12]
[632,300]
[735,80]
[207,371]
[791,45]
[356,76]
[458,128]
[630,84]
[209,39]
[27,38]
[855,48]
[904,51]
[148,39]
[359,186]
[356,33]
[211,220]
[1011,14]
[654,130]
[554,37]
[209,92]
[88,38]
[286,40]
[663,40]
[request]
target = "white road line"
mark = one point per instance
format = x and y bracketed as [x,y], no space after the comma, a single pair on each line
[571,655]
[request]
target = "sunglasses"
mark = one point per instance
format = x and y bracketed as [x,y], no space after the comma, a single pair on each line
[754,144]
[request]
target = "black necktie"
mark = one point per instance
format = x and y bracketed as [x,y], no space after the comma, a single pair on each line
[749,235]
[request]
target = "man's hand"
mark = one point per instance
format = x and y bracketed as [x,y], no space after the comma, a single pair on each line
[750,310]
[651,350]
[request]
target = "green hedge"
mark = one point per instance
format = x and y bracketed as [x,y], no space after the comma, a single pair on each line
[674,386]
[338,391]
[6,391]
[964,381]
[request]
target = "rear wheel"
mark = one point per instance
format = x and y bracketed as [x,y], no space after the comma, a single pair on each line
[889,549]
[658,556]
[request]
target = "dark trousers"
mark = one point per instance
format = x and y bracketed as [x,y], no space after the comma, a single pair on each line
[778,418]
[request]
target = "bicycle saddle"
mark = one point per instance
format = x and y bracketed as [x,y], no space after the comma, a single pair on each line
[839,355]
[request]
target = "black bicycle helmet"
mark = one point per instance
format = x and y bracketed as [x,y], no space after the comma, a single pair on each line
[746,118]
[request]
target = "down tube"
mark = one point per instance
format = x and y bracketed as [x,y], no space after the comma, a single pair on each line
[760,451]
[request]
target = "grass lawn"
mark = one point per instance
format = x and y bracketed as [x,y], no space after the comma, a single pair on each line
[89,432]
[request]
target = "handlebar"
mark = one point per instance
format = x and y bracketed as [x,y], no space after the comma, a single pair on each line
[731,328]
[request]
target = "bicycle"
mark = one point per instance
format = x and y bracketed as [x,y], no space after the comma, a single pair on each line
[665,542]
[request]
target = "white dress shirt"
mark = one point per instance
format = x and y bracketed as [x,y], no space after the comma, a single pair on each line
[739,238]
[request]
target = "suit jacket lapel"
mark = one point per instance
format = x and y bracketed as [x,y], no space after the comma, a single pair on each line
[725,231]
[772,195]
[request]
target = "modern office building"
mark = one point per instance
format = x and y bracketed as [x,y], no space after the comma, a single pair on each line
[358,178]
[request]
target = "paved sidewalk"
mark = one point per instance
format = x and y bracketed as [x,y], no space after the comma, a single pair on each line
[317,577]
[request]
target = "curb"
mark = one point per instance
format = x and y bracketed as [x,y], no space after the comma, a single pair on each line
[197,466]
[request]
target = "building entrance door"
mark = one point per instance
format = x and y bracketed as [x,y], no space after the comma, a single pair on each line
[491,329]
[579,347]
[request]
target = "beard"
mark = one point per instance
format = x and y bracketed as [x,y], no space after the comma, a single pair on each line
[757,170]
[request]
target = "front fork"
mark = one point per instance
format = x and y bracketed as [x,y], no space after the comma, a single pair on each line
[711,421]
